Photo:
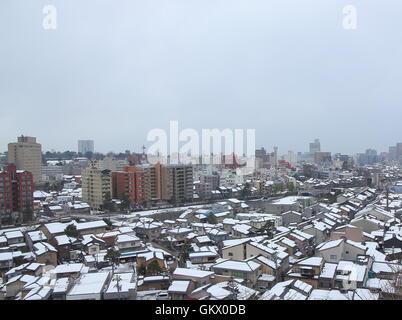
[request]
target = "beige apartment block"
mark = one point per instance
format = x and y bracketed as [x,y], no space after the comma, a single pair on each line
[26,154]
[96,186]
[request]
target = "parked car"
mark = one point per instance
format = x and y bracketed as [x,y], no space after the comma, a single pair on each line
[163,295]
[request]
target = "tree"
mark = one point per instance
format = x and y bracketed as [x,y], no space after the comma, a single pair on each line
[109,223]
[125,203]
[291,187]
[72,231]
[246,191]
[112,255]
[184,254]
[278,187]
[153,268]
[46,187]
[107,203]
[27,213]
[58,186]
[89,155]
[142,270]
[268,228]
[212,219]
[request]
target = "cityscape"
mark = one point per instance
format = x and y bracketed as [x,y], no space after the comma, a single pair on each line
[82,225]
[200,158]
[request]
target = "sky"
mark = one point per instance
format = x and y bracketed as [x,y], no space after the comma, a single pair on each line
[112,71]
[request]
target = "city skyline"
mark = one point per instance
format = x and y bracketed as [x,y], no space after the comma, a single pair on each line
[258,65]
[139,149]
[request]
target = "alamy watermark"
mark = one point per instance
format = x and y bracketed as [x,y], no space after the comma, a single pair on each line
[50,20]
[349,21]
[213,146]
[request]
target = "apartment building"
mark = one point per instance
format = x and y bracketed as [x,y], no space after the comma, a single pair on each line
[16,189]
[26,154]
[96,186]
[139,183]
[177,183]
[144,183]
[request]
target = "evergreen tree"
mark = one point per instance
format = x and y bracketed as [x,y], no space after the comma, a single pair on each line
[153,268]
[246,191]
[27,213]
[125,203]
[212,219]
[71,231]
[112,255]
[107,203]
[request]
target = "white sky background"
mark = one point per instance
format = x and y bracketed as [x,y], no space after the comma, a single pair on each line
[113,70]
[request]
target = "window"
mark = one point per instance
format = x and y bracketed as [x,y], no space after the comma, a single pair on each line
[230,254]
[239,274]
[333,257]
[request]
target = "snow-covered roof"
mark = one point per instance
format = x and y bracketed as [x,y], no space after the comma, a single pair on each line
[89,283]
[246,266]
[191,273]
[179,286]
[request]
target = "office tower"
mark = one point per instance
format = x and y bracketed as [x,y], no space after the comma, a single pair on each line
[85,146]
[96,186]
[399,151]
[26,154]
[291,158]
[16,189]
[315,146]
[275,155]
[392,153]
[322,157]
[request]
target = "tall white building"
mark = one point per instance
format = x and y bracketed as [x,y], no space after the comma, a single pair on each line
[291,158]
[85,146]
[315,146]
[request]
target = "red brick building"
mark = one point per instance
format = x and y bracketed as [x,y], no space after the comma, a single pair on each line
[16,189]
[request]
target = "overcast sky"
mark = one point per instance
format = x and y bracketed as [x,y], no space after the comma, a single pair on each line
[113,70]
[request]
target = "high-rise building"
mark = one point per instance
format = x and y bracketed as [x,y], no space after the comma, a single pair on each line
[112,164]
[16,189]
[369,157]
[264,159]
[177,183]
[96,186]
[130,183]
[392,153]
[26,154]
[291,158]
[322,157]
[399,151]
[315,146]
[85,146]
[144,183]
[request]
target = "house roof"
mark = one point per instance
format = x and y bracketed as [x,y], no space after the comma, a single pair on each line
[192,273]
[179,286]
[234,265]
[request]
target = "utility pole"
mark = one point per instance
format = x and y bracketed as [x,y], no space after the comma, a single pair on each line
[232,288]
[118,285]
